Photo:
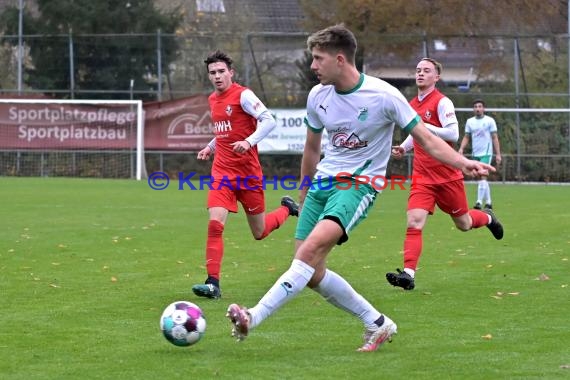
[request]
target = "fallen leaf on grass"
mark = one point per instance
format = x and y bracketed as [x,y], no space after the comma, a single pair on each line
[179,262]
[542,277]
[114,279]
[54,285]
[55,264]
[487,337]
[61,246]
[497,297]
[513,293]
[565,366]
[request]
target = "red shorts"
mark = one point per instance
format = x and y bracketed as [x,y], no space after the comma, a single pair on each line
[226,194]
[449,197]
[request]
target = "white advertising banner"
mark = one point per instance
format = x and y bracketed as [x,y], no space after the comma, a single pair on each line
[290,133]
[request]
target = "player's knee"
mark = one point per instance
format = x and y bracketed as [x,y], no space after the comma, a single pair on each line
[462,226]
[416,223]
[259,235]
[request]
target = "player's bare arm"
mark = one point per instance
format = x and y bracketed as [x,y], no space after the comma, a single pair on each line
[464,143]
[497,148]
[311,157]
[444,153]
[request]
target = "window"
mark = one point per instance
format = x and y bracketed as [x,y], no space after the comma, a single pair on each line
[440,45]
[210,6]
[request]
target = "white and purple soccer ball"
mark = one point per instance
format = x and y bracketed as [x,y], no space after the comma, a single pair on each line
[183,323]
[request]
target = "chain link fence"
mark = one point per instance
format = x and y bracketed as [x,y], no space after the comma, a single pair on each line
[507,71]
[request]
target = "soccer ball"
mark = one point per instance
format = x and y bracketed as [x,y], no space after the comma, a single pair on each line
[183,323]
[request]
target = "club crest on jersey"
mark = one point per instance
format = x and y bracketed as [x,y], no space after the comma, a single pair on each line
[427,115]
[362,113]
[229,110]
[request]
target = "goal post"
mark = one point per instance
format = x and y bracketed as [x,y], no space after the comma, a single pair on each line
[72,138]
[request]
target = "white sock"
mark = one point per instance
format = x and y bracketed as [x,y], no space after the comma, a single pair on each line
[488,193]
[285,288]
[338,292]
[411,272]
[481,190]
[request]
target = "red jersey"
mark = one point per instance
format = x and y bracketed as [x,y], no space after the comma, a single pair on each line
[231,124]
[428,170]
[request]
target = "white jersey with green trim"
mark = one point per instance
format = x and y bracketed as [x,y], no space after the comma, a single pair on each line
[481,130]
[360,124]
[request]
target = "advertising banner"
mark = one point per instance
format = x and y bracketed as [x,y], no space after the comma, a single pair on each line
[66,126]
[175,125]
[181,124]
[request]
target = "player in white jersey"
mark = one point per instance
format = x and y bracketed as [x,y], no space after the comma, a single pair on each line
[482,130]
[359,113]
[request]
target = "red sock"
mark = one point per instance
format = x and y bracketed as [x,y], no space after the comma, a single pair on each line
[412,248]
[274,220]
[214,248]
[479,218]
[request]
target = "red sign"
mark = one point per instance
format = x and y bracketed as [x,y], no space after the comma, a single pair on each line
[66,126]
[182,124]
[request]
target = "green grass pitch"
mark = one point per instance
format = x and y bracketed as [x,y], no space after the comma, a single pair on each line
[86,267]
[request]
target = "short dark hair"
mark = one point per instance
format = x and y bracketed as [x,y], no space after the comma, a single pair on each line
[219,56]
[479,101]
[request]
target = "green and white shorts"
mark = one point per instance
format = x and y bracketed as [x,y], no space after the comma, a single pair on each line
[338,201]
[483,159]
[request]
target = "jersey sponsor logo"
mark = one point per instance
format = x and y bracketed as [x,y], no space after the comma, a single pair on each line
[229,110]
[342,140]
[222,126]
[257,106]
[427,115]
[323,108]
[362,113]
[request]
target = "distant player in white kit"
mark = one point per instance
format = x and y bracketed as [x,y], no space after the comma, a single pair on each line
[359,113]
[482,130]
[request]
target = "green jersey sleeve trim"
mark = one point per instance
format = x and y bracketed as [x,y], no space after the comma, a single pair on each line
[315,130]
[412,124]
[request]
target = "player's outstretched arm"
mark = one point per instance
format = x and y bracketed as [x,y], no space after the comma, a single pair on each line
[437,148]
